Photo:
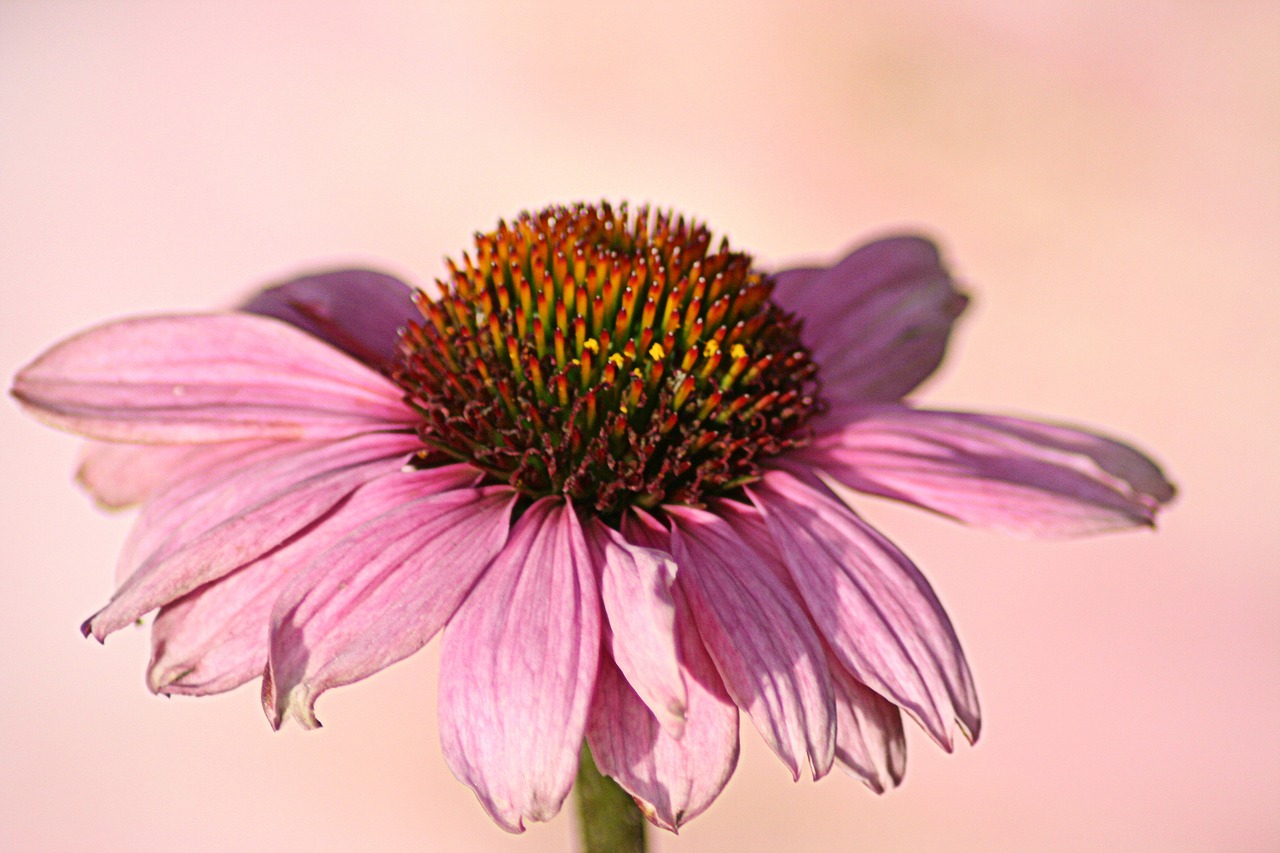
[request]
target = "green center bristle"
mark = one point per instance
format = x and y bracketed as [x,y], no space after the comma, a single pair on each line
[613,360]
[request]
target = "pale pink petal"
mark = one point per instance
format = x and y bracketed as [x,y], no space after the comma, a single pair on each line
[877,322]
[673,780]
[872,606]
[518,669]
[870,743]
[206,378]
[357,311]
[760,638]
[216,637]
[121,475]
[240,517]
[183,502]
[997,472]
[635,589]
[379,595]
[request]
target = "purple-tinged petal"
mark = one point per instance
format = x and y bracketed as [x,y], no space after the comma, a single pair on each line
[635,589]
[358,311]
[873,607]
[760,638]
[877,322]
[518,669]
[239,517]
[215,638]
[206,378]
[997,472]
[870,743]
[379,595]
[673,780]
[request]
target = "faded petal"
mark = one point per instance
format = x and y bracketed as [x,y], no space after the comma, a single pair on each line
[870,742]
[205,528]
[673,780]
[635,589]
[996,472]
[379,595]
[215,638]
[760,638]
[877,322]
[206,378]
[358,311]
[121,475]
[873,607]
[519,667]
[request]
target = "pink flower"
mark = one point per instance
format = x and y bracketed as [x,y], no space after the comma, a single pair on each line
[608,463]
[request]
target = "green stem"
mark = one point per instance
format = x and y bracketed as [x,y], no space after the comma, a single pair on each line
[609,819]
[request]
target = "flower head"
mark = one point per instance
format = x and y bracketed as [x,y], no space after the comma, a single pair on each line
[611,460]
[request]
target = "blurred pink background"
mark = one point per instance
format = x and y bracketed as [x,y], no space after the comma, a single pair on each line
[1105,177]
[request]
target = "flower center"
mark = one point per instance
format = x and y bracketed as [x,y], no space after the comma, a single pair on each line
[608,358]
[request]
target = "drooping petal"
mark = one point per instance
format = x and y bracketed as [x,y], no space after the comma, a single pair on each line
[635,590]
[760,638]
[673,780]
[872,605]
[206,378]
[379,595]
[240,516]
[121,475]
[519,667]
[997,472]
[215,638]
[358,311]
[877,322]
[870,742]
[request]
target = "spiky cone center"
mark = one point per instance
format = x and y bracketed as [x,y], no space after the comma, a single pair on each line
[616,360]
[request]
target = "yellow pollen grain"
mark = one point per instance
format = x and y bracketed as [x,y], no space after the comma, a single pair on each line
[656,352]
[617,359]
[738,351]
[591,344]
[710,348]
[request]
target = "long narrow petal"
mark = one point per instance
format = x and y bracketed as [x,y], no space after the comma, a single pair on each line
[203,378]
[379,595]
[878,322]
[673,780]
[358,311]
[761,640]
[215,638]
[635,589]
[1001,473]
[872,605]
[519,668]
[121,475]
[870,742]
[245,515]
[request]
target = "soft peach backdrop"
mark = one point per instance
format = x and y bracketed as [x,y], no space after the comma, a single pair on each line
[1106,176]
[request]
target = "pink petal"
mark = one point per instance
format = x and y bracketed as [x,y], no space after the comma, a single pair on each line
[872,606]
[217,525]
[870,743]
[761,640]
[635,589]
[673,780]
[877,322]
[358,311]
[121,475]
[205,378]
[379,595]
[1002,473]
[519,667]
[215,638]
